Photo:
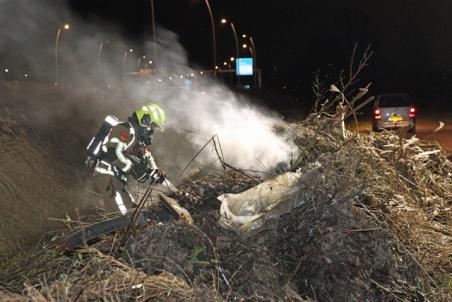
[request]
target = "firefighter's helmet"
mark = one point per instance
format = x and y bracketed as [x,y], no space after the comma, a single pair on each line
[150,115]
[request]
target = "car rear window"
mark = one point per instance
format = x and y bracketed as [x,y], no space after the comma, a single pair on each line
[394,101]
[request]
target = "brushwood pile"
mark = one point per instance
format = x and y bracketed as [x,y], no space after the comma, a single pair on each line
[373,225]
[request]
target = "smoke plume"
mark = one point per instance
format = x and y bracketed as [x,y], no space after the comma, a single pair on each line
[96,60]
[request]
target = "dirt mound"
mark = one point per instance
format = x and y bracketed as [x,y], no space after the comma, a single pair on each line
[42,138]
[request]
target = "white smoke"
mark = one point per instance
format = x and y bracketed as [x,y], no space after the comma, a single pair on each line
[245,133]
[210,108]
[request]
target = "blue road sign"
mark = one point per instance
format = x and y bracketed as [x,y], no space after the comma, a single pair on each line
[244,66]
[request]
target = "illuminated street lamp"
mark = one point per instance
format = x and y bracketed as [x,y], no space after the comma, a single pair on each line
[254,50]
[57,39]
[124,60]
[232,59]
[213,34]
[251,48]
[139,62]
[6,70]
[99,52]
[147,64]
[236,40]
[224,21]
[153,29]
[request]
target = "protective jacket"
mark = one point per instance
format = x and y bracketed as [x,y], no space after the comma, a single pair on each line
[123,153]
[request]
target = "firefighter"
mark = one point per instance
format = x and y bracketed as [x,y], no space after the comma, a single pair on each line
[120,149]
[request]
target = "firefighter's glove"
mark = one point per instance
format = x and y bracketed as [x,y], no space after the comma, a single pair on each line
[139,172]
[90,161]
[157,176]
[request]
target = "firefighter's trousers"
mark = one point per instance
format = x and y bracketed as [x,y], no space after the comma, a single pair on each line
[115,193]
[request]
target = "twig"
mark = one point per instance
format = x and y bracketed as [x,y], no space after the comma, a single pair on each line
[362,230]
[220,157]
[133,219]
[386,290]
[196,155]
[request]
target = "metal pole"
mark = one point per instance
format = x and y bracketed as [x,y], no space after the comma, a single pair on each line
[213,35]
[153,31]
[257,76]
[98,58]
[124,59]
[236,40]
[254,48]
[237,51]
[253,55]
[56,55]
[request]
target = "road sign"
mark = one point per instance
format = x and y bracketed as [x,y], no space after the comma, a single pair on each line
[244,66]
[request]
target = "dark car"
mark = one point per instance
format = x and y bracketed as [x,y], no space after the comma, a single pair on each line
[394,111]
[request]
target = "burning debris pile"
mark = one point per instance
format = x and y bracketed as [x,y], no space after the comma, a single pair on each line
[352,217]
[367,220]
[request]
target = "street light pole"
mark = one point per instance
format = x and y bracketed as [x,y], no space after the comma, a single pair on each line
[253,55]
[237,52]
[236,40]
[254,50]
[153,30]
[213,36]
[257,73]
[124,60]
[139,62]
[237,55]
[57,39]
[101,46]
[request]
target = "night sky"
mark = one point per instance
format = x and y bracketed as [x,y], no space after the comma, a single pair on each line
[411,40]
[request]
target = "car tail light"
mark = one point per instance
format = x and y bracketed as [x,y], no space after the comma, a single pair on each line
[377,114]
[412,112]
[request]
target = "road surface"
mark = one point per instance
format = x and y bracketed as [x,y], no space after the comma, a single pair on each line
[425,129]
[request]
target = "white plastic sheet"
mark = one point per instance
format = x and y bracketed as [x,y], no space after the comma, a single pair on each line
[245,211]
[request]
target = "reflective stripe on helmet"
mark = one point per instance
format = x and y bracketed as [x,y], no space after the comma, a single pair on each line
[155,114]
